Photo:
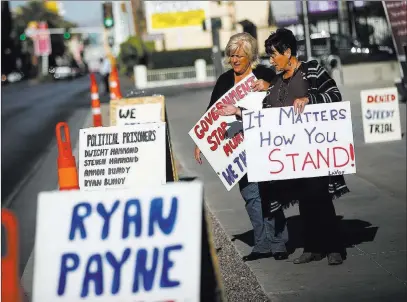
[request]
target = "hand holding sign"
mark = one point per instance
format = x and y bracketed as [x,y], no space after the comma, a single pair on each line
[227,110]
[260,85]
[299,105]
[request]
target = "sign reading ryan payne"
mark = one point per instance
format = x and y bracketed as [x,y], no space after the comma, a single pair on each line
[381,115]
[120,245]
[122,157]
[283,145]
[220,138]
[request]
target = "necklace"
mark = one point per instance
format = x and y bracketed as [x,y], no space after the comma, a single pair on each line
[283,91]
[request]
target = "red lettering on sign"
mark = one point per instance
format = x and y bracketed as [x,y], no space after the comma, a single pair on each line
[217,136]
[384,98]
[313,159]
[233,143]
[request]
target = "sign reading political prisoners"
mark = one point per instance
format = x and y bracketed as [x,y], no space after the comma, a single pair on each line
[130,111]
[164,15]
[122,157]
[122,245]
[220,138]
[283,145]
[381,115]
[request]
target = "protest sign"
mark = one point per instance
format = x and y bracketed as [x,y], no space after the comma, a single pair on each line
[120,157]
[381,115]
[120,245]
[138,114]
[283,145]
[220,138]
[146,109]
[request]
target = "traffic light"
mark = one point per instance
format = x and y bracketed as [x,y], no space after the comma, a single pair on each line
[67,35]
[108,20]
[23,37]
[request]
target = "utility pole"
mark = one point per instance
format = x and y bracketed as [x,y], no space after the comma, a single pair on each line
[136,6]
[214,24]
[343,19]
[307,34]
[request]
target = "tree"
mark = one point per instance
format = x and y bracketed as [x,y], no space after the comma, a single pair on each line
[35,11]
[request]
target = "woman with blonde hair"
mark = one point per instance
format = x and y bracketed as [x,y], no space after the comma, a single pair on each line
[270,234]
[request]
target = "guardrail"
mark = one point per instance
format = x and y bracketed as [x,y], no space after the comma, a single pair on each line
[201,72]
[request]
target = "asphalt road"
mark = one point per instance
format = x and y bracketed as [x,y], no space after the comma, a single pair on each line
[373,216]
[29,114]
[28,118]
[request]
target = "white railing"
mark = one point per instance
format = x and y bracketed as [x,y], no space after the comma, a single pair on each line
[199,73]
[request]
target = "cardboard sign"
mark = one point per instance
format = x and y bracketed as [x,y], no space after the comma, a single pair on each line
[381,115]
[282,145]
[121,245]
[220,138]
[138,115]
[122,157]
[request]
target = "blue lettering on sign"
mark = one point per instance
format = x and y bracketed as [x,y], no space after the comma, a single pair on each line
[378,114]
[132,219]
[230,175]
[288,115]
[151,267]
[320,137]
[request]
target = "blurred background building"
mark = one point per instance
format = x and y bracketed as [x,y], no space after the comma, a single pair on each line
[169,34]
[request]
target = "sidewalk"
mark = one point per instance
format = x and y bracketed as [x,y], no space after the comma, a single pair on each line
[373,218]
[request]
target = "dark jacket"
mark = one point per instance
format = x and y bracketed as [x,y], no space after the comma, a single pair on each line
[321,89]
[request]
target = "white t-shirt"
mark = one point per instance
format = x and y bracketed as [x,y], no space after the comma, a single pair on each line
[106,67]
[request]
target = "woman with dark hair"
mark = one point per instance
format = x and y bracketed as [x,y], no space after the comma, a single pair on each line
[298,84]
[270,233]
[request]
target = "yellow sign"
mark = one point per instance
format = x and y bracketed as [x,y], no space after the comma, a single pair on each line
[177,19]
[52,6]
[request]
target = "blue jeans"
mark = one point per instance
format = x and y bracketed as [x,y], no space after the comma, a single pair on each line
[266,239]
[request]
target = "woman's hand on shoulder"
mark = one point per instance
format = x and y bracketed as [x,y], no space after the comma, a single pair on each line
[299,104]
[260,85]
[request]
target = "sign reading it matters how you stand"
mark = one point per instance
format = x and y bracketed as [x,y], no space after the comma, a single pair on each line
[283,145]
[220,138]
[119,245]
[122,157]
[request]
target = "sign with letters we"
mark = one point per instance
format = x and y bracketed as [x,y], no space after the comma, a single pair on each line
[283,145]
[120,245]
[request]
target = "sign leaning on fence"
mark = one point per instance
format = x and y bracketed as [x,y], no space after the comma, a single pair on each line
[120,157]
[220,138]
[282,145]
[381,115]
[119,245]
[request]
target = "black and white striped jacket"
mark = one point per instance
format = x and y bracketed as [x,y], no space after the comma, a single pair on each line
[321,89]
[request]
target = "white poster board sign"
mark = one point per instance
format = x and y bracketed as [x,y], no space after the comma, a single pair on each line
[381,115]
[220,138]
[122,157]
[119,245]
[138,114]
[282,145]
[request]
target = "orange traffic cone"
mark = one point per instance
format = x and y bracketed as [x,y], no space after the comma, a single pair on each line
[11,290]
[94,94]
[114,84]
[67,172]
